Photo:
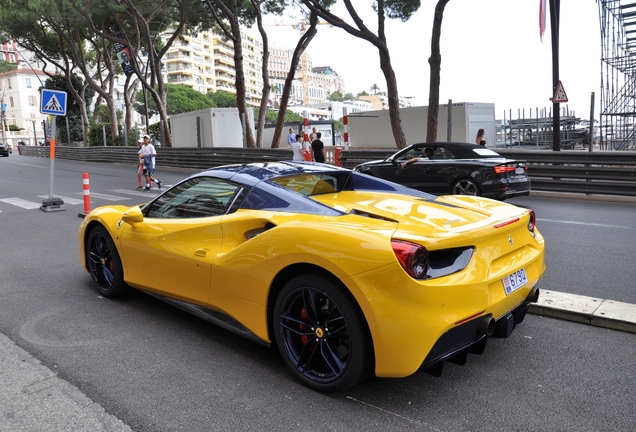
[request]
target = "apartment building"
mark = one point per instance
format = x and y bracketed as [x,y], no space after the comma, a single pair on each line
[310,86]
[19,90]
[9,52]
[205,62]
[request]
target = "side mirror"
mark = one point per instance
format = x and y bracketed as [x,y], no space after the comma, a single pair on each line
[133,215]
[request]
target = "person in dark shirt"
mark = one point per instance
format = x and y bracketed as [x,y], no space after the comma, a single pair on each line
[318,149]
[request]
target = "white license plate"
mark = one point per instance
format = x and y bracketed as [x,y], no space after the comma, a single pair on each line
[515,281]
[520,170]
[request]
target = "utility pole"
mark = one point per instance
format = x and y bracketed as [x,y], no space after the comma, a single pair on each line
[555,7]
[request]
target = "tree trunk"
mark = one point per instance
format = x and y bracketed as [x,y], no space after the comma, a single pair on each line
[262,112]
[392,93]
[240,83]
[435,62]
[300,48]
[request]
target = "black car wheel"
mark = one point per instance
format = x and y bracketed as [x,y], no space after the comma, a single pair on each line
[465,187]
[104,263]
[321,334]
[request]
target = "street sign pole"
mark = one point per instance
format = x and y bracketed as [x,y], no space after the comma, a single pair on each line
[52,119]
[53,102]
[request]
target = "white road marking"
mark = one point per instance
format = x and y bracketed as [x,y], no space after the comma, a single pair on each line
[105,196]
[67,200]
[19,202]
[152,192]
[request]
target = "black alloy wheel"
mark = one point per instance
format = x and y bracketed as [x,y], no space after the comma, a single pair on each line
[104,263]
[322,335]
[465,186]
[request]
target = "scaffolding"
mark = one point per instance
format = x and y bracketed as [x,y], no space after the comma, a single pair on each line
[618,75]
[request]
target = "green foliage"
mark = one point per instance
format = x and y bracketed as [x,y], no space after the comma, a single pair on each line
[102,114]
[338,125]
[336,97]
[154,130]
[75,128]
[5,66]
[179,99]
[402,9]
[223,99]
[73,112]
[272,115]
[15,128]
[96,135]
[363,93]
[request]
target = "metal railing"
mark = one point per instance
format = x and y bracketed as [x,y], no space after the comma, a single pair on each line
[607,173]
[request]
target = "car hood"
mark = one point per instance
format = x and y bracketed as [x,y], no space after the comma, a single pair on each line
[439,218]
[371,163]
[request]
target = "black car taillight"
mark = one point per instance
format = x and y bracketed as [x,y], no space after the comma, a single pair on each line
[412,257]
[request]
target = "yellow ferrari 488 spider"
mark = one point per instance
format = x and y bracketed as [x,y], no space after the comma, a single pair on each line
[346,274]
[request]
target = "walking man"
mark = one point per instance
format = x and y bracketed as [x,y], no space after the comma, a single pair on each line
[318,149]
[148,154]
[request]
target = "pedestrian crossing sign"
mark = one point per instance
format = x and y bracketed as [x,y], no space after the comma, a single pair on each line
[53,102]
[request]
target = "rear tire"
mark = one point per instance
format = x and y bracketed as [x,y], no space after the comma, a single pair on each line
[465,186]
[322,334]
[104,264]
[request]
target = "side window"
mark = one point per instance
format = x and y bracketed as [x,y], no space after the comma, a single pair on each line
[443,153]
[195,198]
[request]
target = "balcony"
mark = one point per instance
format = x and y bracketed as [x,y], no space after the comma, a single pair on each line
[179,79]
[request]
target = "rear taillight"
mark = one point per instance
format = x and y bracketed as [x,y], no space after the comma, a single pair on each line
[532,221]
[502,169]
[412,257]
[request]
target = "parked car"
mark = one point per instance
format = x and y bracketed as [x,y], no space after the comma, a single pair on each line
[346,274]
[5,149]
[456,169]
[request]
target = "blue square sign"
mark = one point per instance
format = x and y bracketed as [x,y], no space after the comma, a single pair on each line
[53,102]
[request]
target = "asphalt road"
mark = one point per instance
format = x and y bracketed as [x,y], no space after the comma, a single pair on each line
[156,368]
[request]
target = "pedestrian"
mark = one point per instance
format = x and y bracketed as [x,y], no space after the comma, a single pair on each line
[318,148]
[297,149]
[148,154]
[480,137]
[291,138]
[140,164]
[313,136]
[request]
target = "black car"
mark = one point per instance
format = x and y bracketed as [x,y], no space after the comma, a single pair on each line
[455,169]
[4,149]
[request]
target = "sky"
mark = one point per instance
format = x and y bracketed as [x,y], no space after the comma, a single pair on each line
[491,52]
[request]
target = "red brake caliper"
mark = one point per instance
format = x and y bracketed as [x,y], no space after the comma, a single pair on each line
[303,315]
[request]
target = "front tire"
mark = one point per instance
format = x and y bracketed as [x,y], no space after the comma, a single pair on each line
[104,263]
[321,334]
[465,187]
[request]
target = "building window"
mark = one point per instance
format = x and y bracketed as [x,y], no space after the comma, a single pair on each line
[9,83]
[11,101]
[32,100]
[28,82]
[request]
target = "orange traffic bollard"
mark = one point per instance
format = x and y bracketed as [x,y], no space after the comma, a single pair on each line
[87,194]
[336,158]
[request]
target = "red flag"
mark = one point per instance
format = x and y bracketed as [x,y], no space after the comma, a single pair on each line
[542,15]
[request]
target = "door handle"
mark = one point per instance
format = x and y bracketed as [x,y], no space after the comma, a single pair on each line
[201,252]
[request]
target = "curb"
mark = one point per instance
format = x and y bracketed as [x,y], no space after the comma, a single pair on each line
[586,310]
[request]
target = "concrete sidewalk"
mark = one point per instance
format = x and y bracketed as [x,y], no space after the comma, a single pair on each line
[586,310]
[34,399]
